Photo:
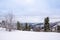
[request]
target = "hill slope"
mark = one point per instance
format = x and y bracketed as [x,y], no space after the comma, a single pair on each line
[25,35]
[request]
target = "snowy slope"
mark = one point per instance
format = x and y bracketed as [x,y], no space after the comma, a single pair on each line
[25,35]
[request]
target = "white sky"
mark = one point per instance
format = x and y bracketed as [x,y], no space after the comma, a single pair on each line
[32,8]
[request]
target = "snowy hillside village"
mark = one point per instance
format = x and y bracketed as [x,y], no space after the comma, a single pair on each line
[29,31]
[46,26]
[29,19]
[32,27]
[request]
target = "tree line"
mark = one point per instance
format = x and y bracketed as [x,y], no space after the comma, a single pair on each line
[46,28]
[9,24]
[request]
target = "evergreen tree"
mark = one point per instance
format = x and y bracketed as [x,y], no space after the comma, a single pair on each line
[3,24]
[58,28]
[18,26]
[46,24]
[27,27]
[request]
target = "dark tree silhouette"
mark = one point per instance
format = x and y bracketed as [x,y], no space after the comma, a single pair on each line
[18,25]
[46,24]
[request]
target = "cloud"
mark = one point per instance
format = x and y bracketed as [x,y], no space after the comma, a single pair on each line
[30,19]
[26,7]
[36,19]
[31,7]
[42,8]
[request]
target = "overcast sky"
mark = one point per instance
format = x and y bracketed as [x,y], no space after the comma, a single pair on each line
[31,8]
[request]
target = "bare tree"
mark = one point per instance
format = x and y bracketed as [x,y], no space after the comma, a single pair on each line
[9,21]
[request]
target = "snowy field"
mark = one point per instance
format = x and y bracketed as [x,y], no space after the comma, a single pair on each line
[25,35]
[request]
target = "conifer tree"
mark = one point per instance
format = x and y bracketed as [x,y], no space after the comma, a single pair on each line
[27,27]
[46,24]
[18,25]
[58,28]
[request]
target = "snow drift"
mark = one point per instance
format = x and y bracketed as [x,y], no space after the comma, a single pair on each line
[26,35]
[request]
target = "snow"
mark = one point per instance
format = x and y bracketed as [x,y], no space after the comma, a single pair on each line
[26,35]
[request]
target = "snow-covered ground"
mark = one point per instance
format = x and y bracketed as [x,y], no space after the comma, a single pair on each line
[25,35]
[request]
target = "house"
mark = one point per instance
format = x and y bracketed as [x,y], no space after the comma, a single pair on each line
[54,29]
